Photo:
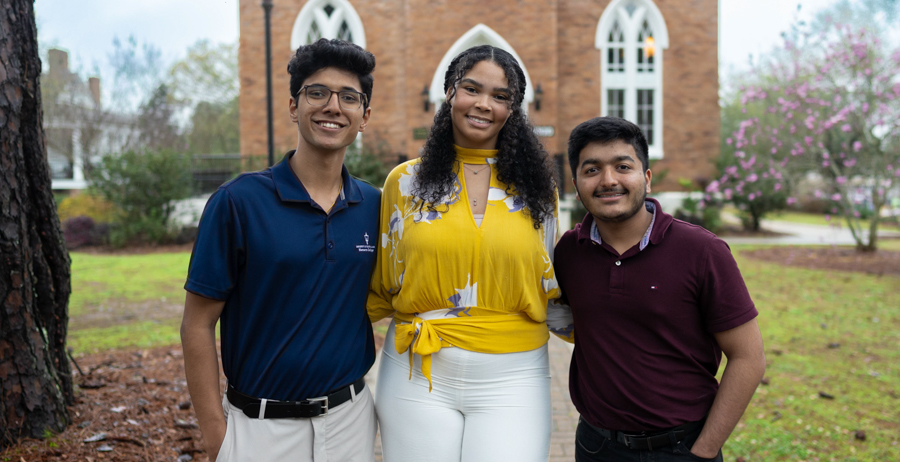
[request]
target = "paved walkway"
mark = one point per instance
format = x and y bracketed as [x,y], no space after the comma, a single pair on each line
[804,234]
[565,418]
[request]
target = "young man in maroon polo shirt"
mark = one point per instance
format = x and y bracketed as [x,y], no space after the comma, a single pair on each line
[656,301]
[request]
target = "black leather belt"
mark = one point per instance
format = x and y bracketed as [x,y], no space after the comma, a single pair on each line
[307,408]
[648,441]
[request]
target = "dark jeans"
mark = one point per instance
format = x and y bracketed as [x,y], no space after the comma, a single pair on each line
[590,446]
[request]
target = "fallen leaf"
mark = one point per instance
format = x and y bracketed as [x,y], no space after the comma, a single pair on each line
[95,438]
[119,408]
[764,381]
[824,395]
[834,345]
[860,435]
[105,448]
[182,424]
[777,415]
[184,405]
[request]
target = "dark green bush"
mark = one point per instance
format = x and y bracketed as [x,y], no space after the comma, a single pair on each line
[144,187]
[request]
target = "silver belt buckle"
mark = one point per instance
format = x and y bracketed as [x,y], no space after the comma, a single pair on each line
[324,401]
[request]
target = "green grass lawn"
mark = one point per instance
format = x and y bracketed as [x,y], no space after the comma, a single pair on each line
[121,301]
[801,312]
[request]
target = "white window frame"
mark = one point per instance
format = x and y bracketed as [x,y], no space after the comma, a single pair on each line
[329,26]
[631,80]
[478,35]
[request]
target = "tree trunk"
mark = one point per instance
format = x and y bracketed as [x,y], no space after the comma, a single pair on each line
[35,378]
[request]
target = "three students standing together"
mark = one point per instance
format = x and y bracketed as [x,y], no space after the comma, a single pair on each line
[461,250]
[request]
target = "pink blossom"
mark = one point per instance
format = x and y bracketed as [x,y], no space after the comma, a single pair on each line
[808,140]
[774,150]
[729,141]
[827,217]
[826,164]
[728,194]
[732,170]
[856,213]
[857,146]
[713,187]
[836,197]
[791,200]
[818,194]
[825,155]
[845,128]
[777,187]
[751,196]
[849,163]
[865,107]
[842,180]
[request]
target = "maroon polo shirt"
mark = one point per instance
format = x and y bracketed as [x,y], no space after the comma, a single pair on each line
[645,355]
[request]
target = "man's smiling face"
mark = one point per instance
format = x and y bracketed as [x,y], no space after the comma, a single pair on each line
[328,128]
[611,182]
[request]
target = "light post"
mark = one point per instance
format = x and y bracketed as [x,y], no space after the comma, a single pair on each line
[267,7]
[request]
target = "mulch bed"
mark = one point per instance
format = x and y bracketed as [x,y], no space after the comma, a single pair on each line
[131,405]
[881,262]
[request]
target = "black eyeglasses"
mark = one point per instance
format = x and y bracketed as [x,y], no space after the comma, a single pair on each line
[320,95]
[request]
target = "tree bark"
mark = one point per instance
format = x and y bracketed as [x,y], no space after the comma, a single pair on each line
[35,377]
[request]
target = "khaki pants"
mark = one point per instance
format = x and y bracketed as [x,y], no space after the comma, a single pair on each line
[345,434]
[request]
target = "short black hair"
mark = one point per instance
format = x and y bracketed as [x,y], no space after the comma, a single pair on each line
[606,130]
[309,59]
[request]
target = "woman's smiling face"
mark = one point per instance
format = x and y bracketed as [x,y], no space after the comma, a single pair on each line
[480,106]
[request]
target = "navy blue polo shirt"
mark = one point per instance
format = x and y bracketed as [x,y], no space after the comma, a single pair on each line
[294,280]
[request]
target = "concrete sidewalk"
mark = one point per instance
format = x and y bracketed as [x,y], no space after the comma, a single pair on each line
[563,413]
[806,234]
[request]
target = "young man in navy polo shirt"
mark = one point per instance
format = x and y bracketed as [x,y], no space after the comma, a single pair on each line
[283,258]
[656,301]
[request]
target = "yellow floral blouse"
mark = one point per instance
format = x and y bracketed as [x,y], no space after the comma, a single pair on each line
[449,282]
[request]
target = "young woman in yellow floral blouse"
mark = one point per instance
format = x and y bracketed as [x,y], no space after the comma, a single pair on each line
[464,267]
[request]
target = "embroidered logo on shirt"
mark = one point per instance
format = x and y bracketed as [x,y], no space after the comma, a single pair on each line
[365,247]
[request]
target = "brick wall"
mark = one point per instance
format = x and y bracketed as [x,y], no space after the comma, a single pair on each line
[554,38]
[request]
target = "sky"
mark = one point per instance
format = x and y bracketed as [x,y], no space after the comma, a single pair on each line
[86,28]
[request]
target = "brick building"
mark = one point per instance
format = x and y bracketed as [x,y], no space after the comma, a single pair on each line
[654,63]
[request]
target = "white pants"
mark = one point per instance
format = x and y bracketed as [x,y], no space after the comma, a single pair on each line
[483,407]
[345,434]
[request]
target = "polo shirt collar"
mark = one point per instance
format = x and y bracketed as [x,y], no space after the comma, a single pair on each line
[290,189]
[655,233]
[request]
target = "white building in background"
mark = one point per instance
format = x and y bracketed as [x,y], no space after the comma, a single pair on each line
[76,127]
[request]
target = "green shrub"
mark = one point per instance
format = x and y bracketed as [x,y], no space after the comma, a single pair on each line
[366,164]
[143,186]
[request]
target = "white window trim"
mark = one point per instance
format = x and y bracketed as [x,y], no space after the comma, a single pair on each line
[314,10]
[631,80]
[478,35]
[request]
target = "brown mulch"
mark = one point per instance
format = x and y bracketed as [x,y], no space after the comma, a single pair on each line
[131,405]
[881,262]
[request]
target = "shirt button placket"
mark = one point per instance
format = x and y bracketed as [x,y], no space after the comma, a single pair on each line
[617,278]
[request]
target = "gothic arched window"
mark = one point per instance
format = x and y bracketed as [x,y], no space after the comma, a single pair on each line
[631,37]
[327,19]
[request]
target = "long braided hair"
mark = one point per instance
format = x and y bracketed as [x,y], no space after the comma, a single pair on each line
[521,163]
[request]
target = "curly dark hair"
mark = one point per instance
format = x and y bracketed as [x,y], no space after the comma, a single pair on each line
[522,163]
[309,59]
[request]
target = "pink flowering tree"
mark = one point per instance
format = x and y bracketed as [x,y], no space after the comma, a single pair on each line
[828,109]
